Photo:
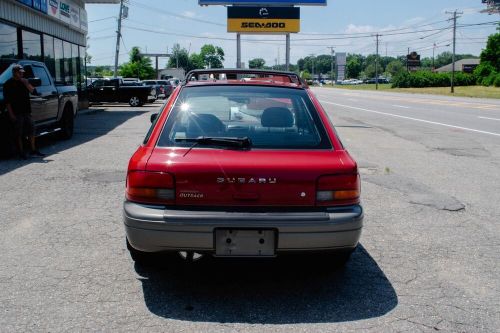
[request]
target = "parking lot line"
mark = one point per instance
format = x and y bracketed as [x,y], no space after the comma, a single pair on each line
[413,119]
[489,118]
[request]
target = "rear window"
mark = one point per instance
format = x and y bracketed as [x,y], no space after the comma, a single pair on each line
[272,117]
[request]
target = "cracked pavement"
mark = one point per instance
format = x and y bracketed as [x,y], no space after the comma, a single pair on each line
[429,258]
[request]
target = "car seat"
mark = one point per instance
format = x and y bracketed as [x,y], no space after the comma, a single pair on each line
[277,117]
[204,124]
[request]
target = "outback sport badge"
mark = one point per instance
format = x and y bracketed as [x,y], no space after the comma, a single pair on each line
[243,180]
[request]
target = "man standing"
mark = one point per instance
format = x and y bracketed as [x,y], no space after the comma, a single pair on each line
[16,92]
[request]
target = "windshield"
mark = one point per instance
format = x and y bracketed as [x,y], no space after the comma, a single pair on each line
[270,117]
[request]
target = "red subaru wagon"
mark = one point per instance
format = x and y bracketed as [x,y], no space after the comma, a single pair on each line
[242,163]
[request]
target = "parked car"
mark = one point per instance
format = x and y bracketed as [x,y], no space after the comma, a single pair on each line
[54,108]
[115,90]
[163,88]
[242,168]
[374,80]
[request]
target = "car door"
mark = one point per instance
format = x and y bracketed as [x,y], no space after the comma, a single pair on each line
[48,93]
[94,89]
[109,91]
[37,102]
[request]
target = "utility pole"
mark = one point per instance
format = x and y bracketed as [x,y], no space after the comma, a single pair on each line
[118,36]
[407,67]
[376,65]
[454,45]
[433,53]
[331,71]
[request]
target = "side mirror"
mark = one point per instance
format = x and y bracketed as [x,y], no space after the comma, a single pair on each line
[153,117]
[35,82]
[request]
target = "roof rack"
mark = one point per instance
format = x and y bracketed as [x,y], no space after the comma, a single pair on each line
[239,73]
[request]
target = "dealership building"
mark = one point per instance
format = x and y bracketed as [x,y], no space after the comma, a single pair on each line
[51,31]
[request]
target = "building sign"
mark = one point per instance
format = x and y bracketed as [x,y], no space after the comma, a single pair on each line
[263,2]
[40,5]
[83,20]
[263,19]
[468,68]
[413,60]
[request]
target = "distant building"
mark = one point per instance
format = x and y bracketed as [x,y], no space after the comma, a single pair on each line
[464,65]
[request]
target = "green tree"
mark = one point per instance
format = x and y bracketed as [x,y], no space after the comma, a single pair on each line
[213,56]
[196,62]
[369,71]
[489,68]
[491,53]
[354,65]
[305,75]
[179,58]
[395,67]
[256,63]
[139,66]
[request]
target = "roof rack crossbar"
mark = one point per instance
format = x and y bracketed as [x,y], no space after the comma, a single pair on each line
[294,77]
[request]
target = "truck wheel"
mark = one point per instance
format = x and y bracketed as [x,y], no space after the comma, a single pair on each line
[134,101]
[66,123]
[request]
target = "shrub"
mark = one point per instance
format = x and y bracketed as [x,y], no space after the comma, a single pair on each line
[497,81]
[490,79]
[423,79]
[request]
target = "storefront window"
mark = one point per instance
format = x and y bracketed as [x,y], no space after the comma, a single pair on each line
[8,41]
[68,74]
[59,60]
[75,66]
[83,70]
[48,54]
[32,46]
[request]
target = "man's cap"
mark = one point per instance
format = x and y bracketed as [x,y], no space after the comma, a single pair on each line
[17,68]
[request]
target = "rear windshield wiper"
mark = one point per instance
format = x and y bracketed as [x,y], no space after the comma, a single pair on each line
[244,142]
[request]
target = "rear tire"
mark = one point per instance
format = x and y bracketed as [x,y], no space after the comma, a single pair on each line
[67,123]
[135,101]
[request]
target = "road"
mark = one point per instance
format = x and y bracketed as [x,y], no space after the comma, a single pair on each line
[428,259]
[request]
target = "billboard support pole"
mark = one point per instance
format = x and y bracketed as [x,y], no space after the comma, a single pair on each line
[238,50]
[287,52]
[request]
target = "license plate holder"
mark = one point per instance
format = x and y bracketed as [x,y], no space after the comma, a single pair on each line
[245,242]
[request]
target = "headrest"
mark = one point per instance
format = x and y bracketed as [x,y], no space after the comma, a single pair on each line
[204,124]
[277,117]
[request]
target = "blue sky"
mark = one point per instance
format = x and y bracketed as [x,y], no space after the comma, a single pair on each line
[151,24]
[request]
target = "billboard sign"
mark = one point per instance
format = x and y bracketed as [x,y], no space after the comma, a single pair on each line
[413,59]
[341,61]
[263,2]
[263,19]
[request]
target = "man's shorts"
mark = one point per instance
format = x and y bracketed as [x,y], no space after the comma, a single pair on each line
[23,126]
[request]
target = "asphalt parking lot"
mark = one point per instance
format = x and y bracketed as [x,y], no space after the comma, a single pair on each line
[429,258]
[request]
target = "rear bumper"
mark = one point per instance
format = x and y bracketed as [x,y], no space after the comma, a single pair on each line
[153,228]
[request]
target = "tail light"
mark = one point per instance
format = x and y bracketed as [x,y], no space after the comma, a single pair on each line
[150,187]
[338,190]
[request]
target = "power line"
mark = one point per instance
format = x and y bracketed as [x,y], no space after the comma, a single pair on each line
[185,17]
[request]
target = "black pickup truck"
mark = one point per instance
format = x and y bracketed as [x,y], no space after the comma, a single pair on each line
[113,90]
[53,109]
